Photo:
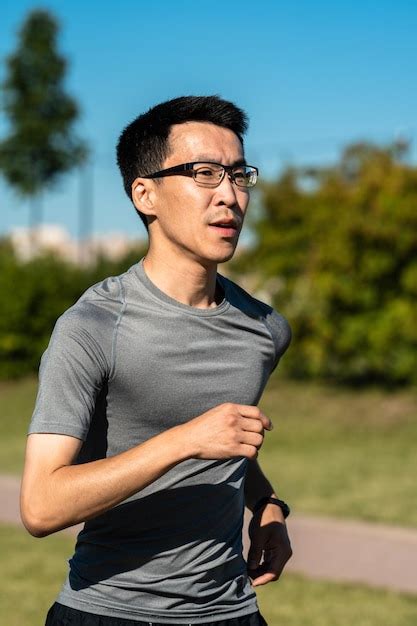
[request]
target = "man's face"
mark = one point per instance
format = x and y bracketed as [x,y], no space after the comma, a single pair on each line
[185,212]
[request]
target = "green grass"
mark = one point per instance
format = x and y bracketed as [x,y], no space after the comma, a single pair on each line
[343,453]
[17,399]
[296,601]
[35,570]
[332,452]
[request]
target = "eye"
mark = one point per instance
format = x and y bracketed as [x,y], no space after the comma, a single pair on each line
[244,176]
[205,172]
[240,173]
[208,174]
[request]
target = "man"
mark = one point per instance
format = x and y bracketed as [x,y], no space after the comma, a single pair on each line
[146,425]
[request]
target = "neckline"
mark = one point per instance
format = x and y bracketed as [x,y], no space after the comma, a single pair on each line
[167,300]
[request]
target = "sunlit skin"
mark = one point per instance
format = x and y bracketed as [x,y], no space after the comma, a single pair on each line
[184,252]
[184,248]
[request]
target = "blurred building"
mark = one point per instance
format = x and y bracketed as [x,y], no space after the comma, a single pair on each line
[28,243]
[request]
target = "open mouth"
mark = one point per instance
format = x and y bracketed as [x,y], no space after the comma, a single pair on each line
[227,230]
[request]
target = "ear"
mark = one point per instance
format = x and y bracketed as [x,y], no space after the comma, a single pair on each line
[143,195]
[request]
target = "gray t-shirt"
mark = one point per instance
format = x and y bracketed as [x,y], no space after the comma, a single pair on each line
[125,363]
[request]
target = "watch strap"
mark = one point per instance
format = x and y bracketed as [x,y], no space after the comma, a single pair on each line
[270,500]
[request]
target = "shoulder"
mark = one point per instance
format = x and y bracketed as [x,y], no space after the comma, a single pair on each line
[100,303]
[93,319]
[275,322]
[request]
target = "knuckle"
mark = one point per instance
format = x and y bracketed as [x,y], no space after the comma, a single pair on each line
[230,409]
[259,440]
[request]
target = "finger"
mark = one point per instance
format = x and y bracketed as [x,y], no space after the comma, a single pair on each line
[269,577]
[272,566]
[252,425]
[267,422]
[254,412]
[251,439]
[248,451]
[254,557]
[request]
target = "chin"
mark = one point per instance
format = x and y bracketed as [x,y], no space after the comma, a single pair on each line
[214,254]
[222,257]
[226,257]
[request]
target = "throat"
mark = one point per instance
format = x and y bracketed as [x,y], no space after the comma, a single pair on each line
[186,284]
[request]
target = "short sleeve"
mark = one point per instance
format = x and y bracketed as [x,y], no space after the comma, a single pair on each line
[72,371]
[281,334]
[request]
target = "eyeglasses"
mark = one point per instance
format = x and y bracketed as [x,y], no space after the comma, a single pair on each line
[212,174]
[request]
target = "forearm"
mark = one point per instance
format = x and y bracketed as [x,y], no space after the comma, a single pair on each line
[57,494]
[257,486]
[72,494]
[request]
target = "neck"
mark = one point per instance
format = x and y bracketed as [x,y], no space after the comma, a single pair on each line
[183,279]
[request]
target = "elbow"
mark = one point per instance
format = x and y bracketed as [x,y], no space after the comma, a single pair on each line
[36,531]
[37,522]
[35,525]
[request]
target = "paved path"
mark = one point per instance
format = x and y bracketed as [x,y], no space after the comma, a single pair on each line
[324,548]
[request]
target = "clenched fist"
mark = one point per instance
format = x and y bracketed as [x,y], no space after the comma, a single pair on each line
[228,430]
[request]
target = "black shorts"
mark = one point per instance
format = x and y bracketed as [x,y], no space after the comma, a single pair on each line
[60,615]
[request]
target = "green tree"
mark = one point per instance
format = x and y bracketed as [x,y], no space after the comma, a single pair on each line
[337,248]
[41,145]
[36,293]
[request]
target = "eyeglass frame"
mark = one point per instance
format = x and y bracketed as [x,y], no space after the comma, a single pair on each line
[186,169]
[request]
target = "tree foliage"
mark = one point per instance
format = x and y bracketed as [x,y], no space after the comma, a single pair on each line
[41,144]
[337,247]
[35,294]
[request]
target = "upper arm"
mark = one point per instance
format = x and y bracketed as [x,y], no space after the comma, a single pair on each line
[45,453]
[281,334]
[72,372]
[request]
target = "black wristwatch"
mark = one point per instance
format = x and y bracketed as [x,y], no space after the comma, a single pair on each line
[269,500]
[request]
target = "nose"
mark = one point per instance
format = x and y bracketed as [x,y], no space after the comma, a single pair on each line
[226,192]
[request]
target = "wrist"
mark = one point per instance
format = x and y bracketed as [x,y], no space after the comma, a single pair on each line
[271,501]
[187,441]
[177,443]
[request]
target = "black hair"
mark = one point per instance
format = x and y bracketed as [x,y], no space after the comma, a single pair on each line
[143,145]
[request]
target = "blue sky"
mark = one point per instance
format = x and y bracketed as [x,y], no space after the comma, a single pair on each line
[313,76]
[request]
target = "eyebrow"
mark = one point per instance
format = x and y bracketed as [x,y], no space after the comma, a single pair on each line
[204,158]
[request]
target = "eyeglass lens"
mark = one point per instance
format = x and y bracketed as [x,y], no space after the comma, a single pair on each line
[211,175]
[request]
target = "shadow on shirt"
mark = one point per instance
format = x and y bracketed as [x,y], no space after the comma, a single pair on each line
[186,531]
